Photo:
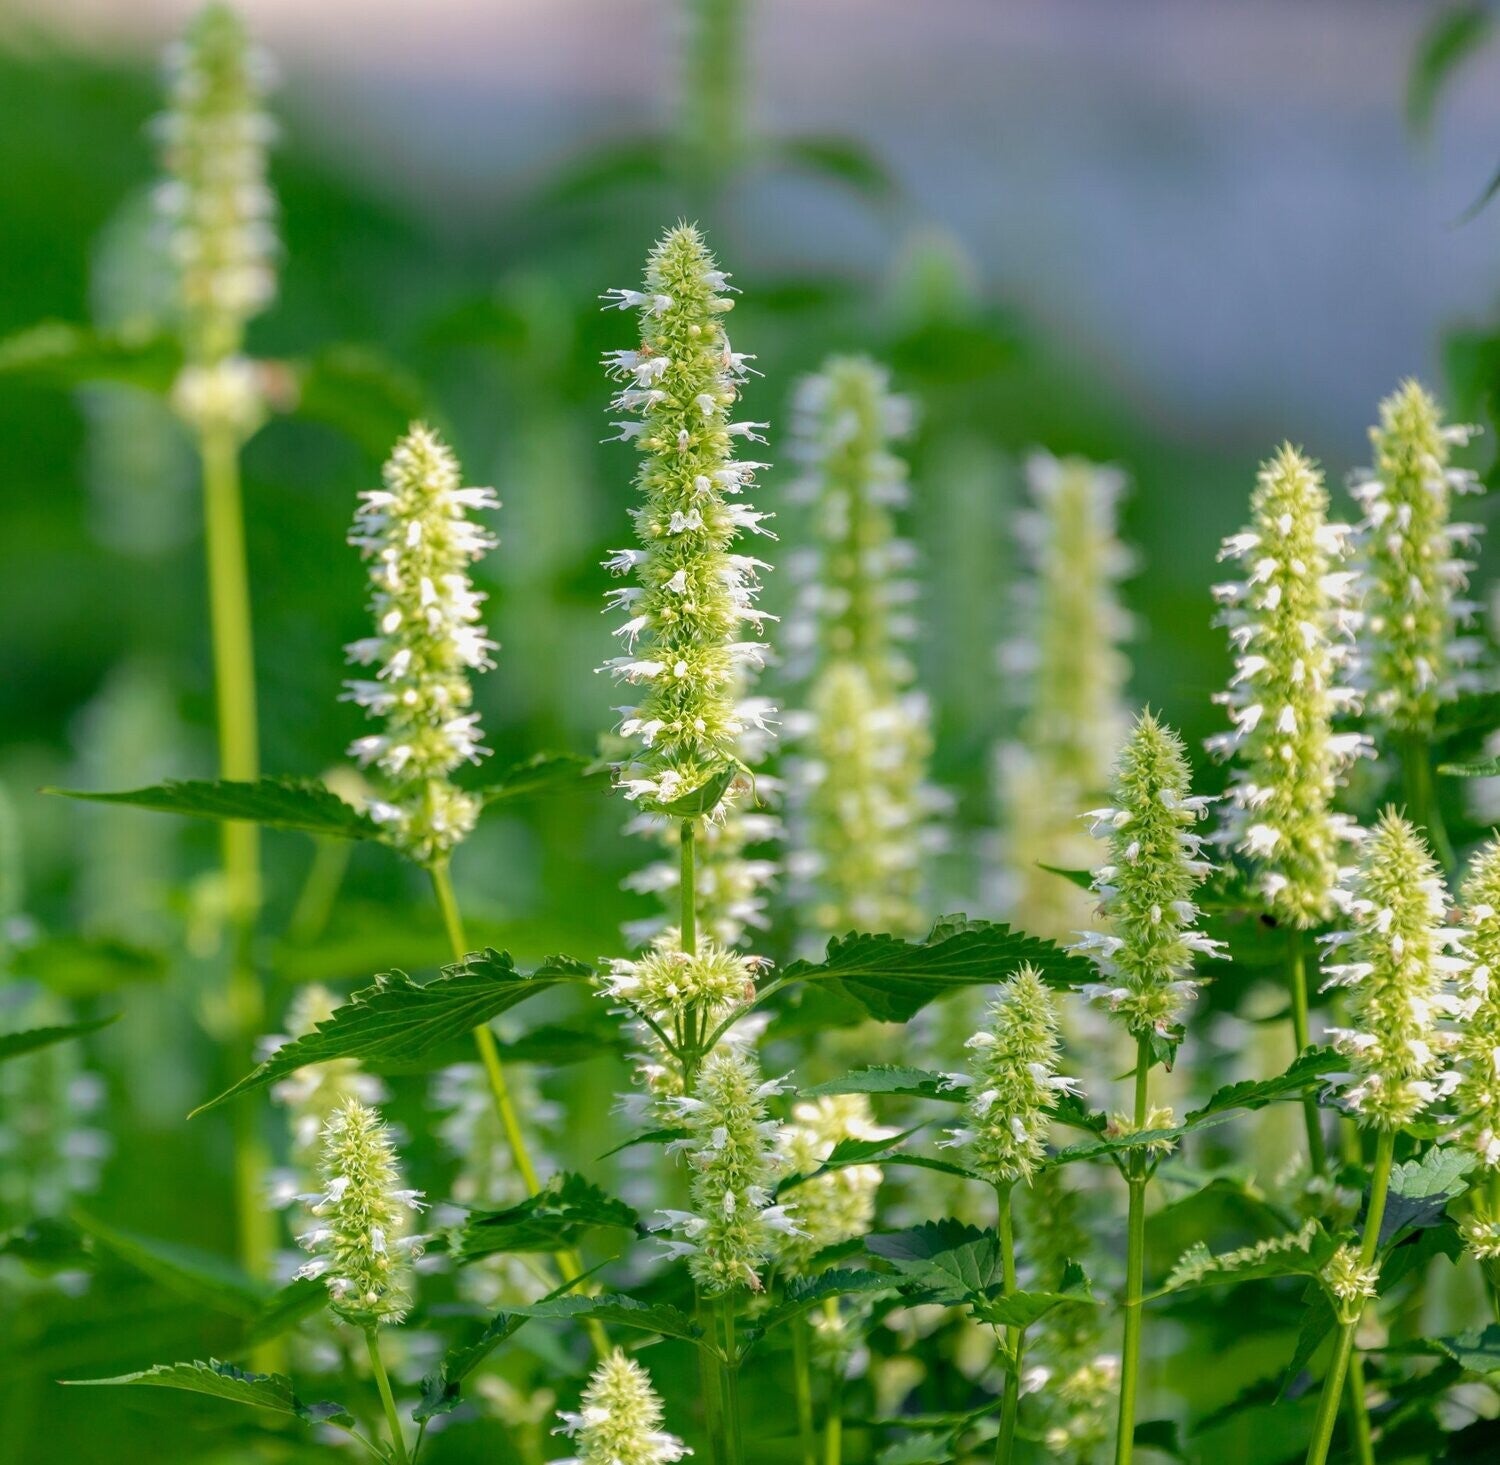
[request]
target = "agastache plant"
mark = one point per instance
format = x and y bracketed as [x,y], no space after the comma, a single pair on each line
[1146,961]
[1415,575]
[1065,668]
[1291,624]
[618,1421]
[861,807]
[1477,1055]
[1399,962]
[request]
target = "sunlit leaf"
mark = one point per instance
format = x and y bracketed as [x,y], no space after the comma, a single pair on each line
[911,1083]
[269,1391]
[615,1309]
[559,1215]
[949,1260]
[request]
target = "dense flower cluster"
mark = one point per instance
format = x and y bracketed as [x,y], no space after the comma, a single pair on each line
[359,1244]
[840,1205]
[1146,888]
[218,210]
[861,807]
[692,597]
[1477,1058]
[733,1229]
[1065,669]
[417,536]
[1014,1086]
[618,1421]
[1411,557]
[1349,1282]
[1399,963]
[1292,626]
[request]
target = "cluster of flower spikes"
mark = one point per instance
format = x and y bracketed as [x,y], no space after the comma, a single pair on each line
[313,1093]
[732,1146]
[1146,887]
[1413,574]
[860,803]
[416,535]
[1291,624]
[360,1245]
[838,1206]
[1476,1100]
[1064,668]
[1013,1090]
[219,211]
[618,1420]
[1400,963]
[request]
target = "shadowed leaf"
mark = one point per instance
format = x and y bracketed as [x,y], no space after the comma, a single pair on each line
[29,1040]
[269,1391]
[556,1216]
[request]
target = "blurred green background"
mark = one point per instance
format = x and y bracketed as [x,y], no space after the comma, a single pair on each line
[1166,235]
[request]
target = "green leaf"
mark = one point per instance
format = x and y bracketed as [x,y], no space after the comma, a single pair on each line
[1476,1351]
[1083,879]
[202,1277]
[837,158]
[952,1262]
[886,1078]
[14,1045]
[398,1020]
[279,803]
[57,354]
[1159,1435]
[1449,38]
[47,1243]
[702,800]
[617,1310]
[919,1449]
[542,773]
[1420,1189]
[647,1137]
[358,391]
[283,1310]
[555,1044]
[1292,1254]
[441,1390]
[1484,768]
[893,979]
[804,1293]
[1308,1069]
[84,966]
[558,1215]
[1021,1309]
[270,1391]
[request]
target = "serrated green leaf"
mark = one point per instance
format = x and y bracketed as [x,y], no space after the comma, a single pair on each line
[1022,1309]
[887,1078]
[29,1040]
[1475,1351]
[926,1448]
[88,966]
[58,354]
[202,1277]
[1293,1254]
[270,1391]
[442,1389]
[1420,1189]
[804,1293]
[952,1262]
[398,1020]
[542,773]
[1309,1068]
[278,803]
[557,1216]
[647,1137]
[616,1309]
[893,979]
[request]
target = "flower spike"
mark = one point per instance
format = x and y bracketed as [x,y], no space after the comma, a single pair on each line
[618,1420]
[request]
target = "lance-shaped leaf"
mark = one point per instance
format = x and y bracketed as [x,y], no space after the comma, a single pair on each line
[29,1040]
[278,803]
[1311,1067]
[555,1217]
[805,1293]
[893,979]
[1301,1253]
[441,1390]
[542,773]
[1021,1309]
[398,1021]
[614,1309]
[888,1078]
[270,1391]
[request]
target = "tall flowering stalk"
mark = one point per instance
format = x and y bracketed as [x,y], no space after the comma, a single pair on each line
[860,802]
[361,1246]
[1012,1093]
[1477,1059]
[1146,961]
[219,212]
[1065,669]
[1291,624]
[1400,963]
[1415,575]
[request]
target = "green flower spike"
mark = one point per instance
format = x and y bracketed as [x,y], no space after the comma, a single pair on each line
[1146,888]
[618,1421]
[1400,962]
[1477,1058]
[1291,626]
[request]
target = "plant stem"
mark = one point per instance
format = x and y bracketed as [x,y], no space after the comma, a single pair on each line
[1137,1177]
[393,1421]
[710,1373]
[239,759]
[802,1385]
[320,890]
[1005,1442]
[733,1440]
[568,1261]
[1359,1415]
[1421,796]
[833,1425]
[1333,1384]
[687,926]
[1296,970]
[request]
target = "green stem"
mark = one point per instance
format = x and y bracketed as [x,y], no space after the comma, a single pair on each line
[1137,1177]
[802,1385]
[1333,1384]
[568,1260]
[710,1375]
[733,1439]
[387,1399]
[239,759]
[1359,1414]
[833,1424]
[1005,1442]
[1317,1154]
[696,1034]
[320,890]
[1421,796]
